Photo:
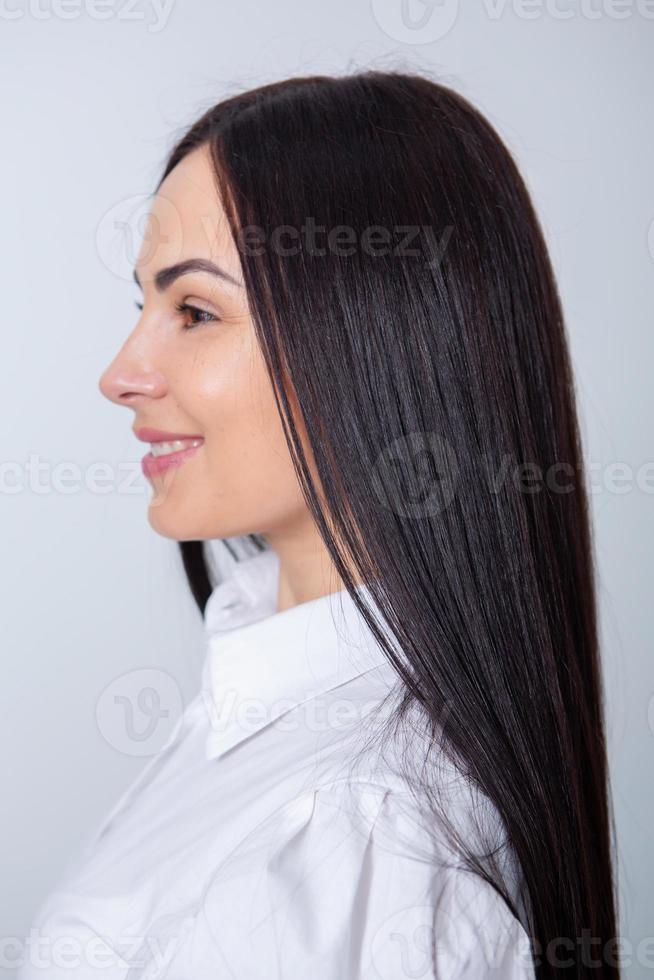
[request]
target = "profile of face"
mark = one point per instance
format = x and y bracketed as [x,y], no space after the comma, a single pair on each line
[192,367]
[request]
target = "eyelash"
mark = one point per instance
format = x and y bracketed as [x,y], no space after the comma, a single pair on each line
[188,308]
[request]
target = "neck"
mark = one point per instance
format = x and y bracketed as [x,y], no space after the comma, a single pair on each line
[306,570]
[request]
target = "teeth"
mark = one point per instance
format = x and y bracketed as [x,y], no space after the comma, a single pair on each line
[165,448]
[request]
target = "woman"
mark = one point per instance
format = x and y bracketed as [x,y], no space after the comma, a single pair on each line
[351,364]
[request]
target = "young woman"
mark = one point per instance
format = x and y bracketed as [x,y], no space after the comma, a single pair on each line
[351,363]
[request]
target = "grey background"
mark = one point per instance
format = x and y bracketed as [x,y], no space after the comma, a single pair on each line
[92,595]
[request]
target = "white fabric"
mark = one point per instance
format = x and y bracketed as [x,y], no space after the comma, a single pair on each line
[267,839]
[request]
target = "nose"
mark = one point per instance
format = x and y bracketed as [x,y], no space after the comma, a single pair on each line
[124,385]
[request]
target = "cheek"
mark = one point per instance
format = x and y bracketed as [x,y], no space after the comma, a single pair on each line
[245,451]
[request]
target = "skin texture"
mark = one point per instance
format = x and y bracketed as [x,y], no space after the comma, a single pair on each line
[210,380]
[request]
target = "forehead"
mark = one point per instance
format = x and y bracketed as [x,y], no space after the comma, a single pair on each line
[187,220]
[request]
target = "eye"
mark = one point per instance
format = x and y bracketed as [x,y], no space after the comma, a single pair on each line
[203,316]
[197,315]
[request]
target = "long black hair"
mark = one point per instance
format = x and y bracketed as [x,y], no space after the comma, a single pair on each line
[402,294]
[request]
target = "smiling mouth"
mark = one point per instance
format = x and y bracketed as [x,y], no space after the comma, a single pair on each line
[166,455]
[166,448]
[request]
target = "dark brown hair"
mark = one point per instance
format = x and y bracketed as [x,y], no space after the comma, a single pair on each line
[427,359]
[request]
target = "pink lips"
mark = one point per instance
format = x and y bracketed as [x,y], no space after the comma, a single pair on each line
[157,435]
[155,465]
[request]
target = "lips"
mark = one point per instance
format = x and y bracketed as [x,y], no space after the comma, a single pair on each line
[167,457]
[145,434]
[155,465]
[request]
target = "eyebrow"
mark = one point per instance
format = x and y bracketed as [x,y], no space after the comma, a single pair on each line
[166,277]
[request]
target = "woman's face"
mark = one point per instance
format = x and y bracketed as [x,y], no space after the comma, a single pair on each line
[200,373]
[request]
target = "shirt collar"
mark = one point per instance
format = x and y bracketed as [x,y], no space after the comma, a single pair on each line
[261,663]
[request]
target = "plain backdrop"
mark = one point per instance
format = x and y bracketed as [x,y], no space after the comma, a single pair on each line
[92,98]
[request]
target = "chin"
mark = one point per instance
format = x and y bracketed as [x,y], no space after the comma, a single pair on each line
[170,521]
[186,523]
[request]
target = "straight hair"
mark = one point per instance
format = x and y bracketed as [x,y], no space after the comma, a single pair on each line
[422,340]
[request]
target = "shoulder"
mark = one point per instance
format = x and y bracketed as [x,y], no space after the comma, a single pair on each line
[394,891]
[349,884]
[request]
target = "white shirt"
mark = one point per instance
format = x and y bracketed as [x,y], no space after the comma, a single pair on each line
[267,839]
